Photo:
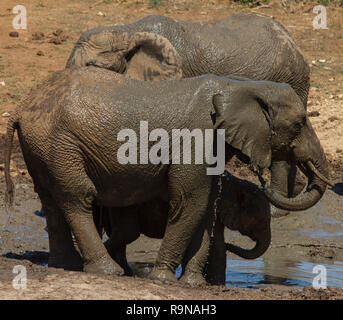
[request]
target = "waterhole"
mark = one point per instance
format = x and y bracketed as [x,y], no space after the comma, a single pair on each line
[258,273]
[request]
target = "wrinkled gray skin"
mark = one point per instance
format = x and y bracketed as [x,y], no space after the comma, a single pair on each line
[241,206]
[68,129]
[247,45]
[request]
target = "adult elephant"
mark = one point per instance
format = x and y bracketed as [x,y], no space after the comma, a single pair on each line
[247,45]
[72,142]
[240,206]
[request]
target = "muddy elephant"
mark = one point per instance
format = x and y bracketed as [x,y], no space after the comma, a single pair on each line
[240,206]
[247,45]
[78,134]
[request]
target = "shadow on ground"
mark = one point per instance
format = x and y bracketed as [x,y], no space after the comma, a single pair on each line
[338,188]
[37,257]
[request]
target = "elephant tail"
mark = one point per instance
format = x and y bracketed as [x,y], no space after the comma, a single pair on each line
[12,125]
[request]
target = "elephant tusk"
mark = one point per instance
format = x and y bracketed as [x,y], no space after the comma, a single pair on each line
[318,174]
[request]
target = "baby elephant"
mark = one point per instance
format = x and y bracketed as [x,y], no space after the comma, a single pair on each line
[241,206]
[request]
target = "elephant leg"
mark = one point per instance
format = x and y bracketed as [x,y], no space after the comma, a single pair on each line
[62,252]
[98,217]
[284,172]
[119,256]
[196,256]
[215,272]
[122,229]
[186,212]
[77,201]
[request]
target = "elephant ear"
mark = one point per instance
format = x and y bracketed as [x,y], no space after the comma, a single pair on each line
[101,47]
[142,55]
[247,114]
[152,57]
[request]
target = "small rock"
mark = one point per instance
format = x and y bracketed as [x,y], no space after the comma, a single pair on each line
[57,32]
[38,36]
[57,37]
[339,150]
[322,60]
[331,79]
[331,96]
[40,53]
[313,114]
[2,83]
[101,14]
[340,96]
[5,114]
[333,118]
[14,34]
[313,62]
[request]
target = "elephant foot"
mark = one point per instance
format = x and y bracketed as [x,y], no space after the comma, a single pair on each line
[128,271]
[72,262]
[164,275]
[278,213]
[105,266]
[193,279]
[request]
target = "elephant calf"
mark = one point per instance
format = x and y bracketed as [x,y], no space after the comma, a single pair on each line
[241,206]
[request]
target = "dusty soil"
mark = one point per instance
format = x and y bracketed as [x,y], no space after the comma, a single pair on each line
[42,49]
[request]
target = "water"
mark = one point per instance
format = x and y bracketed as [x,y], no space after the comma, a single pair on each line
[240,273]
[321,234]
[260,272]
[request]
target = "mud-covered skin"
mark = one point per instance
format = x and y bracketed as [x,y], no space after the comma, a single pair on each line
[69,140]
[247,45]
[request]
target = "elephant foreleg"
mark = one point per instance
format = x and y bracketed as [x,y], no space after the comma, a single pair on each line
[187,210]
[196,256]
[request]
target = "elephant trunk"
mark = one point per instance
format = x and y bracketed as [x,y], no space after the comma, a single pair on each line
[317,181]
[262,239]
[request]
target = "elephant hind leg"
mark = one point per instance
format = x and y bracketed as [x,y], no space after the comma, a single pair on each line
[76,195]
[62,252]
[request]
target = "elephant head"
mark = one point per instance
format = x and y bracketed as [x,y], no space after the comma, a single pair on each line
[244,208]
[142,55]
[265,121]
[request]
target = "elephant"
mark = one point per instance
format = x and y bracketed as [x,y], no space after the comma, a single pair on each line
[72,129]
[246,45]
[241,206]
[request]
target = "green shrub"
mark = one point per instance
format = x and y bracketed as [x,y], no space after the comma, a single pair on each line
[155,3]
[249,1]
